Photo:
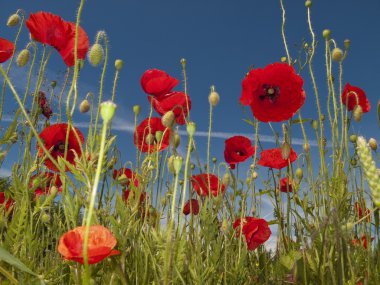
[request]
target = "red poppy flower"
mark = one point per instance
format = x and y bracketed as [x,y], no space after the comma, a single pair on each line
[100,244]
[45,108]
[6,50]
[191,206]
[273,158]
[145,135]
[274,93]
[352,96]
[284,185]
[156,82]
[54,138]
[363,241]
[44,181]
[238,149]
[129,176]
[126,193]
[362,212]
[200,183]
[176,101]
[256,231]
[8,203]
[52,30]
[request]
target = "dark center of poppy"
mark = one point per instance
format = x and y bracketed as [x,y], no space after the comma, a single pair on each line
[60,146]
[239,152]
[270,92]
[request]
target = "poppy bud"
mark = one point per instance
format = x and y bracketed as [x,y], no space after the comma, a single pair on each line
[118,64]
[170,164]
[326,34]
[299,173]
[254,175]
[23,58]
[358,113]
[13,20]
[214,159]
[322,118]
[183,61]
[149,139]
[53,83]
[192,166]
[95,55]
[353,138]
[285,150]
[347,43]
[337,54]
[168,119]
[176,140]
[226,180]
[45,218]
[347,227]
[353,161]
[84,106]
[136,110]
[308,4]
[177,163]
[314,125]
[190,128]
[372,144]
[158,136]
[306,147]
[213,98]
[107,110]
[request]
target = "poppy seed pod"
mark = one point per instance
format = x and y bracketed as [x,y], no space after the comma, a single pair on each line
[168,119]
[136,110]
[337,54]
[308,4]
[285,150]
[23,58]
[107,110]
[118,64]
[190,128]
[95,55]
[358,113]
[372,144]
[347,43]
[326,34]
[13,20]
[213,98]
[84,106]
[176,140]
[177,163]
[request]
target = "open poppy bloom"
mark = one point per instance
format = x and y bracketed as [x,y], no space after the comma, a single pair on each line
[125,176]
[352,96]
[256,231]
[127,193]
[284,186]
[8,203]
[362,241]
[191,206]
[201,182]
[45,108]
[274,93]
[361,212]
[176,101]
[145,135]
[157,83]
[100,244]
[238,149]
[54,138]
[42,182]
[273,158]
[52,30]
[6,50]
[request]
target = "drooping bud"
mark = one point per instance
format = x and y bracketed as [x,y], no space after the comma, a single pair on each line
[299,173]
[326,34]
[107,110]
[84,106]
[306,147]
[308,4]
[149,139]
[158,136]
[337,54]
[23,58]
[13,20]
[190,128]
[226,180]
[118,64]
[213,98]
[168,119]
[95,54]
[353,138]
[347,43]
[176,140]
[358,113]
[372,144]
[285,150]
[136,110]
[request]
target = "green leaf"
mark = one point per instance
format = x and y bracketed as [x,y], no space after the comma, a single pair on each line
[9,258]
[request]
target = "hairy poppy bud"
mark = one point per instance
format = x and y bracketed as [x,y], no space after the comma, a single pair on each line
[190,128]
[168,119]
[372,144]
[214,160]
[170,164]
[347,43]
[226,180]
[84,106]
[308,3]
[299,173]
[95,55]
[136,110]
[149,139]
[326,34]
[254,175]
[358,113]
[213,98]
[353,138]
[337,54]
[158,136]
[314,125]
[53,84]
[118,64]
[23,58]
[107,110]
[285,150]
[177,163]
[306,147]
[13,20]
[176,140]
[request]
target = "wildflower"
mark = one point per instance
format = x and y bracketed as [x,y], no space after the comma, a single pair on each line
[201,182]
[191,206]
[43,182]
[361,212]
[362,241]
[272,158]
[6,50]
[285,185]
[177,102]
[8,202]
[126,193]
[238,149]
[353,96]
[256,231]
[274,93]
[125,176]
[54,138]
[52,30]
[156,82]
[100,244]
[146,130]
